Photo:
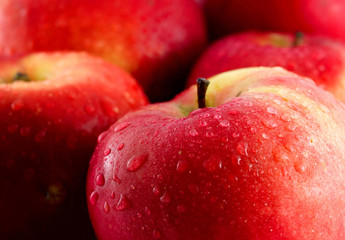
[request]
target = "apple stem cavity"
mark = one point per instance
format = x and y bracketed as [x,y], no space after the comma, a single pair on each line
[202,85]
[298,39]
[19,76]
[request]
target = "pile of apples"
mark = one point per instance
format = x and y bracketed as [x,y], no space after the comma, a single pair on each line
[178,120]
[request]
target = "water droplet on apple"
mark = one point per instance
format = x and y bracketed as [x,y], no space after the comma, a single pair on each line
[182,166]
[193,133]
[272,110]
[160,176]
[224,123]
[123,203]
[136,162]
[101,136]
[147,211]
[116,178]
[107,152]
[156,191]
[156,234]
[225,139]
[233,112]
[212,164]
[203,123]
[217,116]
[112,196]
[106,207]
[121,126]
[93,198]
[120,146]
[242,148]
[235,135]
[280,156]
[165,198]
[270,123]
[300,167]
[265,136]
[285,117]
[209,134]
[99,180]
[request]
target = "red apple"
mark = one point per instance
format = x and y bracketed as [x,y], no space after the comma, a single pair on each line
[264,160]
[318,58]
[53,106]
[156,41]
[324,17]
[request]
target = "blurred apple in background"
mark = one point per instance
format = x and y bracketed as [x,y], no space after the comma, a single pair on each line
[324,17]
[264,160]
[318,58]
[156,41]
[53,106]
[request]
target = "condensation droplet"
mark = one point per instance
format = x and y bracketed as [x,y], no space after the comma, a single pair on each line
[106,207]
[182,166]
[93,198]
[116,178]
[136,162]
[156,191]
[203,123]
[99,180]
[121,126]
[270,123]
[165,198]
[193,133]
[123,203]
[224,123]
[242,148]
[233,112]
[120,146]
[101,136]
[272,110]
[147,211]
[112,196]
[217,116]
[299,167]
[264,135]
[107,152]
[212,164]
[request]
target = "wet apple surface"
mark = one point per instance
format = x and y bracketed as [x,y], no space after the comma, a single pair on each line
[260,161]
[53,106]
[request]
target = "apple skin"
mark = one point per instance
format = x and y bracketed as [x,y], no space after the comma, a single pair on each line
[308,16]
[318,58]
[156,41]
[265,160]
[48,131]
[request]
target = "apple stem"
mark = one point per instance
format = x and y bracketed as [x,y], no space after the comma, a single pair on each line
[19,76]
[202,85]
[298,39]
